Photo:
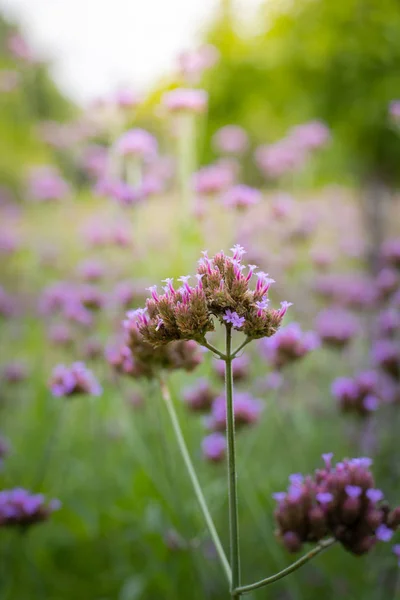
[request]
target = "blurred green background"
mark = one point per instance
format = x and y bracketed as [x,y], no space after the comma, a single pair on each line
[130,527]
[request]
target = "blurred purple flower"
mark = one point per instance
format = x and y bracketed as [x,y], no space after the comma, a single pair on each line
[241,196]
[231,139]
[336,327]
[214,447]
[288,345]
[19,507]
[185,100]
[73,380]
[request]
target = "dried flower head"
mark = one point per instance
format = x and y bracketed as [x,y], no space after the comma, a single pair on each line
[214,447]
[19,507]
[185,100]
[200,396]
[222,291]
[73,380]
[288,345]
[340,501]
[359,395]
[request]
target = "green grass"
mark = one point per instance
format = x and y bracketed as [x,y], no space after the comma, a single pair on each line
[117,469]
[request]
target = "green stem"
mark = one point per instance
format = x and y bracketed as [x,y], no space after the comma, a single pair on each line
[246,341]
[232,483]
[244,589]
[213,349]
[193,477]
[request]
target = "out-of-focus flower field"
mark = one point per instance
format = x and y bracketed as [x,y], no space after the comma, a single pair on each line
[99,205]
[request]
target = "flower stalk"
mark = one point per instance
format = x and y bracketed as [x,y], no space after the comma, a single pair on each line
[245,589]
[193,477]
[232,475]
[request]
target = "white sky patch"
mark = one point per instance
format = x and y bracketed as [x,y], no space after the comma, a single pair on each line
[97,45]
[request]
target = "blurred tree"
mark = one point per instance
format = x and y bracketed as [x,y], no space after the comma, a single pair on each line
[336,61]
[34,99]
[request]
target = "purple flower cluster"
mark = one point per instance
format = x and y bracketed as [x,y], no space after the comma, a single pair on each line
[340,501]
[45,183]
[290,153]
[351,291]
[185,100]
[231,139]
[240,368]
[137,358]
[73,380]
[19,507]
[14,371]
[336,327]
[386,356]
[213,179]
[288,345]
[359,394]
[193,63]
[241,197]
[200,396]
[221,291]
[6,303]
[214,447]
[247,411]
[390,252]
[138,143]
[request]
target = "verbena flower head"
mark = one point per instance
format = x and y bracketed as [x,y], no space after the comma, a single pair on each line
[240,368]
[193,63]
[9,80]
[185,100]
[137,358]
[125,98]
[387,282]
[390,252]
[91,270]
[277,159]
[213,179]
[137,142]
[45,183]
[288,345]
[60,334]
[20,48]
[19,507]
[396,547]
[231,139]
[247,410]
[388,322]
[351,291]
[241,196]
[386,356]
[6,303]
[340,501]
[200,396]
[14,371]
[282,205]
[336,327]
[220,290]
[359,395]
[73,380]
[394,110]
[311,135]
[214,447]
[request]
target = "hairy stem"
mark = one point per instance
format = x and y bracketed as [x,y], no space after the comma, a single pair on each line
[236,352]
[232,476]
[213,349]
[193,477]
[244,589]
